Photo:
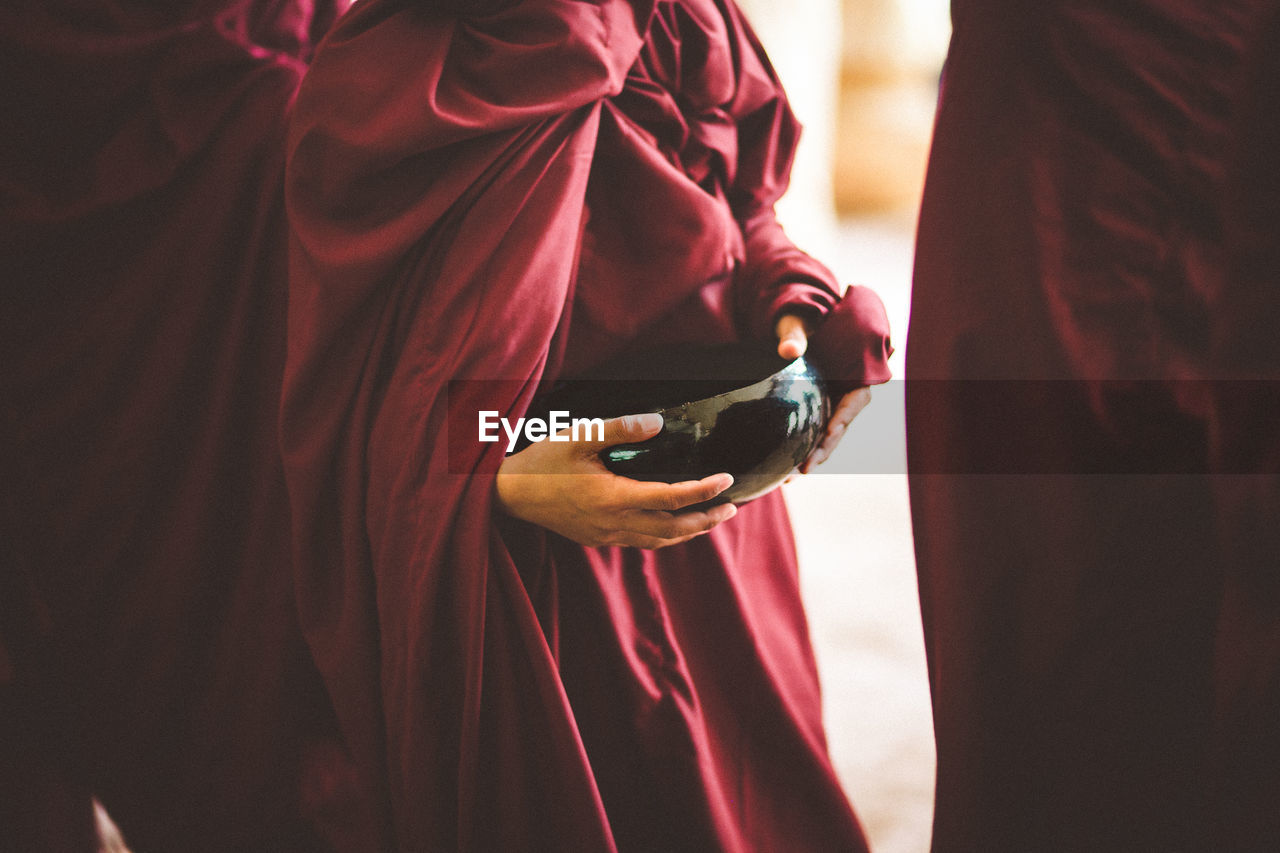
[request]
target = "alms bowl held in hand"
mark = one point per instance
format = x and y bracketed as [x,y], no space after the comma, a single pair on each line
[735,408]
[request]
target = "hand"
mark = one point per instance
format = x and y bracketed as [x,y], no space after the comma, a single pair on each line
[793,340]
[564,487]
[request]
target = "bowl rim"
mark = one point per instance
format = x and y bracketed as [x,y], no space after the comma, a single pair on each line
[798,365]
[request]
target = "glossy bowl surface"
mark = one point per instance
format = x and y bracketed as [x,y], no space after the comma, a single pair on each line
[737,408]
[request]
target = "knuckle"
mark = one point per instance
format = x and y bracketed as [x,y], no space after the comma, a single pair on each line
[665,499]
[686,524]
[672,529]
[612,500]
[698,521]
[673,500]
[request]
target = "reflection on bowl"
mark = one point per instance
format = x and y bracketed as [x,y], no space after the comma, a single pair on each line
[737,408]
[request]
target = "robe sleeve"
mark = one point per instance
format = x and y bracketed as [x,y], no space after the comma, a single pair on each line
[777,277]
[775,273]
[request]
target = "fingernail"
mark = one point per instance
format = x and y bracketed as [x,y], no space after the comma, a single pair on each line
[728,512]
[648,422]
[724,481]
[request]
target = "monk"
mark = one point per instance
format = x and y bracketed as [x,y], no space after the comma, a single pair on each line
[482,201]
[1071,239]
[149,652]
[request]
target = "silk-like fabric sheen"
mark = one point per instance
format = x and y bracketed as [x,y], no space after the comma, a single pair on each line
[1071,241]
[515,197]
[149,651]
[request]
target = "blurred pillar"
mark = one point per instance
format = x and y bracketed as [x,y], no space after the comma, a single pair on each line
[891,56]
[802,38]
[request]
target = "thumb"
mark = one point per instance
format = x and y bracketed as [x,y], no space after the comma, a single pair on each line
[792,339]
[627,429]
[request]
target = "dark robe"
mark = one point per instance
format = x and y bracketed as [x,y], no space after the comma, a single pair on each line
[1070,238]
[149,652]
[1245,450]
[478,204]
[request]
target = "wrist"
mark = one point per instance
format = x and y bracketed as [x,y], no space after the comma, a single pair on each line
[507,492]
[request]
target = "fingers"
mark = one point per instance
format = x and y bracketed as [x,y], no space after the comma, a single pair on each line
[793,338]
[652,543]
[849,407]
[669,528]
[649,517]
[670,497]
[624,430]
[594,507]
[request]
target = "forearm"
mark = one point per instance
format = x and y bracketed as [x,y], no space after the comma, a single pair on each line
[778,278]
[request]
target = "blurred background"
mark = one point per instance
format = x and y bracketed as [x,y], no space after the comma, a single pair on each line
[862,77]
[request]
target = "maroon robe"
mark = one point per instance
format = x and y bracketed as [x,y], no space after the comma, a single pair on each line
[1070,238]
[504,199]
[149,652]
[1245,448]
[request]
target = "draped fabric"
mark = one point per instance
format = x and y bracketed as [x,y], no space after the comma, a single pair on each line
[478,204]
[1245,452]
[149,652]
[1071,240]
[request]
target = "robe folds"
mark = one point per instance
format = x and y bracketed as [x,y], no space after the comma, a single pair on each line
[1245,459]
[479,204]
[149,654]
[1072,243]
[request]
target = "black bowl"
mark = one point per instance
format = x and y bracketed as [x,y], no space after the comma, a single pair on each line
[735,407]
